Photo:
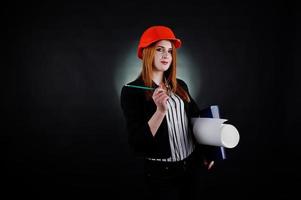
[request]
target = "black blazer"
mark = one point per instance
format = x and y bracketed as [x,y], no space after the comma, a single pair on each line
[138,110]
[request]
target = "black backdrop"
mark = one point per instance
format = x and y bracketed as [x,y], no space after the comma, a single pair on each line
[63,133]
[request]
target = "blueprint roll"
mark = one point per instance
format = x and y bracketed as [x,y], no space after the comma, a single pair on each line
[212,131]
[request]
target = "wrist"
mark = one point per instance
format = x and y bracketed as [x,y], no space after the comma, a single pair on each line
[161,112]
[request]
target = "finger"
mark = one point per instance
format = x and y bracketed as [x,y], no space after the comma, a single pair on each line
[211,164]
[162,98]
[164,101]
[158,97]
[160,93]
[158,90]
[163,95]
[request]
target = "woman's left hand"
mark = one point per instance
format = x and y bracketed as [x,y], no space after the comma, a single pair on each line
[209,164]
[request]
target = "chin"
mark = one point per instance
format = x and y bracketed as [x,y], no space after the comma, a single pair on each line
[165,68]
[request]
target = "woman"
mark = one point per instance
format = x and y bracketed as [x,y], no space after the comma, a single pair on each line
[158,120]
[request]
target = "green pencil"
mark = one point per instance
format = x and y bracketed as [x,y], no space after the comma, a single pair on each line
[140,87]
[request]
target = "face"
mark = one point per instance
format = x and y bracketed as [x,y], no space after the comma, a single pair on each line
[163,55]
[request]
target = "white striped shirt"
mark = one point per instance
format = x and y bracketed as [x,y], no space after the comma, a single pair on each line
[180,138]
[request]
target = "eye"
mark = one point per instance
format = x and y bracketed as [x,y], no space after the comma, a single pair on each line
[159,49]
[170,51]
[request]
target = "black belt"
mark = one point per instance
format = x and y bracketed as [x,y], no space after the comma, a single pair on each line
[163,166]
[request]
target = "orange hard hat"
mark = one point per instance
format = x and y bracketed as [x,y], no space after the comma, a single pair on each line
[154,34]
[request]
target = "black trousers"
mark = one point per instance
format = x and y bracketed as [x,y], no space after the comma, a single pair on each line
[176,180]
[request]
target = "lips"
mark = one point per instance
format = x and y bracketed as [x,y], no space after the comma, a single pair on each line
[164,62]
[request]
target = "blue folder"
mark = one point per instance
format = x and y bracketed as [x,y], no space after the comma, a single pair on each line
[216,153]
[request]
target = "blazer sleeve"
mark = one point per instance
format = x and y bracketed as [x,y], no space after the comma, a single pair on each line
[139,134]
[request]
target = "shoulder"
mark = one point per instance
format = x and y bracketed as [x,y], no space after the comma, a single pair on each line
[127,92]
[180,81]
[182,84]
[137,81]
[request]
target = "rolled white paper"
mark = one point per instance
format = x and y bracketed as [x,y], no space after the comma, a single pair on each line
[212,131]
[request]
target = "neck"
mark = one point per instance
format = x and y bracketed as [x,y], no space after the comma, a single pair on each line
[157,77]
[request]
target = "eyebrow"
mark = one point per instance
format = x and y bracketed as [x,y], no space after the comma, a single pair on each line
[164,47]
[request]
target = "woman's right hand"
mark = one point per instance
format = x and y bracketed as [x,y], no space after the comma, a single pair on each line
[160,98]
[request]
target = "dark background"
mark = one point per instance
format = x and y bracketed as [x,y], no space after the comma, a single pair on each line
[63,133]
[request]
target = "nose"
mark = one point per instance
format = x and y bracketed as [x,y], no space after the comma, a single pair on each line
[164,54]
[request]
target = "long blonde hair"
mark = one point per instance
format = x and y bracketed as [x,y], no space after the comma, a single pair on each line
[170,74]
